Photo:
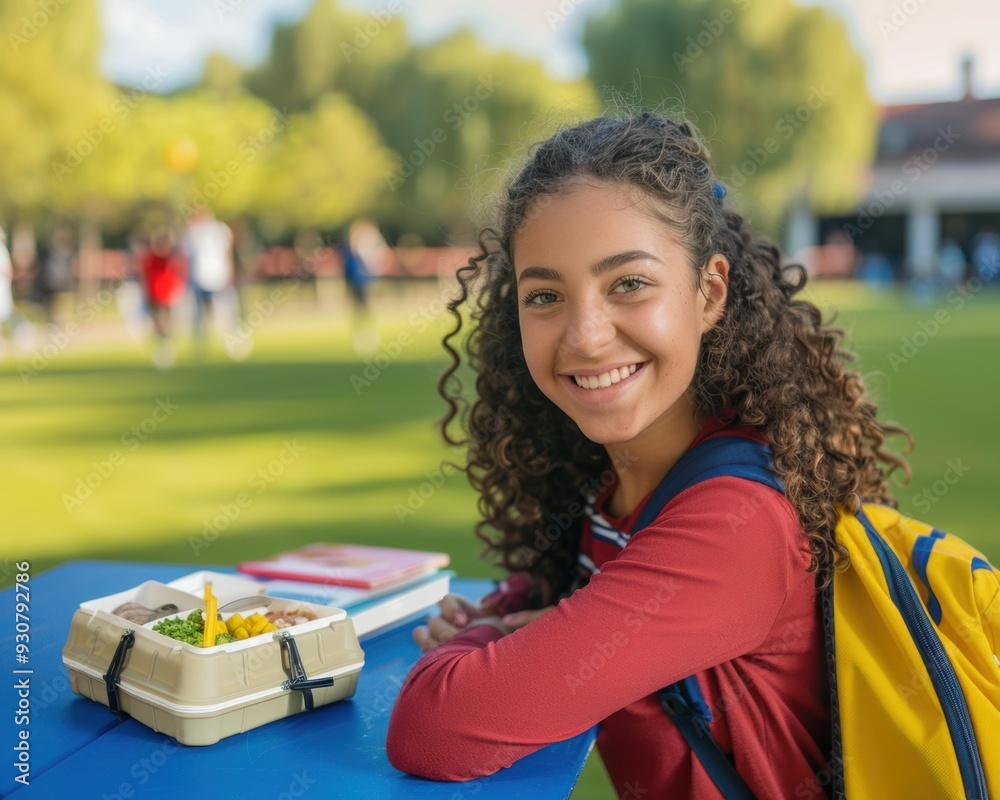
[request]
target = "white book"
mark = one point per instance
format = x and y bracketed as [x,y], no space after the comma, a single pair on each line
[383,611]
[370,609]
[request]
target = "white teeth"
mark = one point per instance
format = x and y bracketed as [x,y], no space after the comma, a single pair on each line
[605,379]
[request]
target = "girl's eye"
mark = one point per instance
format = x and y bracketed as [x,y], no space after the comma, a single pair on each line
[541,297]
[629,284]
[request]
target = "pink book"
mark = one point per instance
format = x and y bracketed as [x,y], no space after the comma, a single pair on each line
[364,566]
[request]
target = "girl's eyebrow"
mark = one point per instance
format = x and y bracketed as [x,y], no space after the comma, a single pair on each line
[606,264]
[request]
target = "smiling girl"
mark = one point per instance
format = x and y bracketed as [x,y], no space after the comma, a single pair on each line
[623,314]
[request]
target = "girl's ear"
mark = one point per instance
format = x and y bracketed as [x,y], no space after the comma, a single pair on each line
[715,287]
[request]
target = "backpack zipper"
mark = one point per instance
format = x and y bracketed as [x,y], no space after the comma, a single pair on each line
[939,667]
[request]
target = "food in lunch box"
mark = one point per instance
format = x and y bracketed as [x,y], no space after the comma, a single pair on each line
[288,618]
[254,625]
[134,612]
[210,624]
[191,629]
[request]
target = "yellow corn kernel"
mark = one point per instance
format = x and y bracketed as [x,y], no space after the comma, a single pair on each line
[258,626]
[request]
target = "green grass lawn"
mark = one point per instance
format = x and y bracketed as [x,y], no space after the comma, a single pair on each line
[215,462]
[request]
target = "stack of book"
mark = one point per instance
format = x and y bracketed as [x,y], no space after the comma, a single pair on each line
[377,586]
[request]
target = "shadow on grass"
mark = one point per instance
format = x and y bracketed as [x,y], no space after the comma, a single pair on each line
[232,400]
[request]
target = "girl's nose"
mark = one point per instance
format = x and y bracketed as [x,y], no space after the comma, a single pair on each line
[589,330]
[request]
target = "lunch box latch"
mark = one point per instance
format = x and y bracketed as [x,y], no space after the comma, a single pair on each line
[298,679]
[115,669]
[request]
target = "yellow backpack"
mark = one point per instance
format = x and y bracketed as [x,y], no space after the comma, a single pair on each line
[916,636]
[913,644]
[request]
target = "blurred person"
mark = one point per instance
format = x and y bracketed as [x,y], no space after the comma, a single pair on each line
[986,255]
[363,248]
[12,323]
[131,296]
[55,272]
[247,249]
[951,263]
[208,244]
[164,271]
[839,255]
[876,270]
[6,290]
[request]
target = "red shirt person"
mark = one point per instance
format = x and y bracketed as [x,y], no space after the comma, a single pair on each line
[164,272]
[715,587]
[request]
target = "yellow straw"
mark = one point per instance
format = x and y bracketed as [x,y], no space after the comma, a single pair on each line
[211,612]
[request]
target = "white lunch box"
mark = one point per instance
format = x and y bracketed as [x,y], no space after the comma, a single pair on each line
[199,695]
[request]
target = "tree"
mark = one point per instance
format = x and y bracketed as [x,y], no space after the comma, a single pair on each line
[50,92]
[777,89]
[185,152]
[326,169]
[454,112]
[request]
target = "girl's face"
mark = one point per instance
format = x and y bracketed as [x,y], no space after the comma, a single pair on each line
[610,317]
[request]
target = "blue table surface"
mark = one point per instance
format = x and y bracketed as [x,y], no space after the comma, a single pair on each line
[79,749]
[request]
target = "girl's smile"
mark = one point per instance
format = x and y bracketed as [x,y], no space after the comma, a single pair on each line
[604,386]
[611,315]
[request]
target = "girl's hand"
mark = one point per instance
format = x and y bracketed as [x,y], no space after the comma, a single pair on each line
[521,618]
[456,613]
[458,610]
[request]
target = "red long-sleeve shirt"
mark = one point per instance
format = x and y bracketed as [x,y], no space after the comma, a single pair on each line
[715,586]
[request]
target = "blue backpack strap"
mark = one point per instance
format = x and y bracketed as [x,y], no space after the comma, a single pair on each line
[724,455]
[685,705]
[682,701]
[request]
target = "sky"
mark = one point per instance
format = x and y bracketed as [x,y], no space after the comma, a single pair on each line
[912,47]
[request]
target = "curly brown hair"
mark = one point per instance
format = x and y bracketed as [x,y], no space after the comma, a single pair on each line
[770,359]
